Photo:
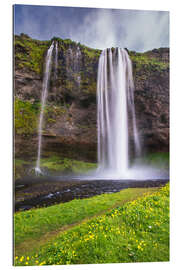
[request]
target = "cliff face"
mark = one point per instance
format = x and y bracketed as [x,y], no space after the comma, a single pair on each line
[151,78]
[70,114]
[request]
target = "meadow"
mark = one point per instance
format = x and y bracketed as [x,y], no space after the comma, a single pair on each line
[128,226]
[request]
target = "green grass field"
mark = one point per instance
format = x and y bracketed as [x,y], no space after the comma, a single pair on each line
[136,229]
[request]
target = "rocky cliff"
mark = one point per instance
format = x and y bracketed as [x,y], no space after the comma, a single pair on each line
[70,114]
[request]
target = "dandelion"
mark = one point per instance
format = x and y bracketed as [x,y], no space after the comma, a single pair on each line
[22,258]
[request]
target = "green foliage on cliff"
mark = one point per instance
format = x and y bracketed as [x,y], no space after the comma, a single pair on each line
[51,112]
[74,75]
[90,53]
[148,62]
[25,117]
[30,53]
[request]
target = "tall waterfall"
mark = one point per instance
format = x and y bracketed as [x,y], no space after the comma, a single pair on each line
[115,97]
[43,103]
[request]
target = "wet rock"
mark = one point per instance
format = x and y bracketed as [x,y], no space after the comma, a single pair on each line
[43,192]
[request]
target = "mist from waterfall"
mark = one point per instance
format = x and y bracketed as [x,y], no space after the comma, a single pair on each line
[115,106]
[43,103]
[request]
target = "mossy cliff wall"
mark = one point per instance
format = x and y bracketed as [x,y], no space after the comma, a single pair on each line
[70,114]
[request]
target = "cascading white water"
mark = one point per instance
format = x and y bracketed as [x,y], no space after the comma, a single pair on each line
[43,103]
[56,59]
[115,99]
[77,64]
[73,64]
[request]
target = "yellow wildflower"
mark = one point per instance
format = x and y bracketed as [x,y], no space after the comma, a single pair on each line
[22,258]
[42,263]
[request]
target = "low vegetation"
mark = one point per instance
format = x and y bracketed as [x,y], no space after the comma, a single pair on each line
[25,117]
[30,53]
[66,165]
[144,61]
[159,160]
[61,164]
[137,231]
[53,165]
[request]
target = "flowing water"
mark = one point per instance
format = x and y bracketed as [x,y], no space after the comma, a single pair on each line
[56,59]
[115,112]
[43,103]
[77,65]
[73,65]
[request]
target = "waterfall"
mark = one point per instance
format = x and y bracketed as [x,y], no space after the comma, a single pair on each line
[77,65]
[56,59]
[73,65]
[115,112]
[43,103]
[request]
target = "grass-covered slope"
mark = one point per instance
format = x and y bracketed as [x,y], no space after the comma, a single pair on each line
[137,231]
[151,61]
[36,222]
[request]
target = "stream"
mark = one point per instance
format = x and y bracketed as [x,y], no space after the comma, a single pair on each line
[43,192]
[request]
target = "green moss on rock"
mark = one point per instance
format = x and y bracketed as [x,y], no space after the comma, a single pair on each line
[25,117]
[148,62]
[29,53]
[57,164]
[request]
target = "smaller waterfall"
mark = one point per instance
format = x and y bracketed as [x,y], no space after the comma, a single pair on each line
[43,103]
[115,99]
[73,65]
[77,65]
[56,59]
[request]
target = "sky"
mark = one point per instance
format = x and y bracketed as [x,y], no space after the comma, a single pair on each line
[136,30]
